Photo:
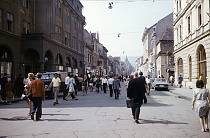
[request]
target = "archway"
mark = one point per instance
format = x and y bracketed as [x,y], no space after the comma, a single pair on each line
[31,61]
[180,67]
[201,63]
[6,59]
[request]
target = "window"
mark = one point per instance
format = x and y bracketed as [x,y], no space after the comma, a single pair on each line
[188,24]
[201,58]
[9,22]
[190,68]
[177,35]
[177,6]
[66,39]
[58,8]
[180,33]
[26,27]
[26,3]
[0,18]
[199,16]
[57,29]
[180,67]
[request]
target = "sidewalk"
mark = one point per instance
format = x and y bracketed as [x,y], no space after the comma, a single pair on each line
[15,100]
[184,93]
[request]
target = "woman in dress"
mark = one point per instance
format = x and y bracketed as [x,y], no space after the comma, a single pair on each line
[28,81]
[200,103]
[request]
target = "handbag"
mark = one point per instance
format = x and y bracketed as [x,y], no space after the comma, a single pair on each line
[129,103]
[71,89]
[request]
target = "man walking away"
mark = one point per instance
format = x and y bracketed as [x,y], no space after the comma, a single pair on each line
[104,83]
[37,90]
[145,85]
[148,81]
[56,82]
[110,83]
[116,87]
[98,84]
[65,92]
[136,92]
[180,79]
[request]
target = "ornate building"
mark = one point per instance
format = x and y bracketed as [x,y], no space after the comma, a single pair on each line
[40,36]
[158,48]
[192,41]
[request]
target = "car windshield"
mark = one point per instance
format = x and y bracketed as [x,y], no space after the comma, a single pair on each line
[160,79]
[47,76]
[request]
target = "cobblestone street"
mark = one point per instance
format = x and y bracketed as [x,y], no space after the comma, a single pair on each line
[99,116]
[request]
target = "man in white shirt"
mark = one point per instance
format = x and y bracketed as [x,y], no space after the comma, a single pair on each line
[65,92]
[104,83]
[56,82]
[110,83]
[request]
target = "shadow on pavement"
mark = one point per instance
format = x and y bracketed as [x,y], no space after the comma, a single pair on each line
[21,118]
[55,114]
[144,121]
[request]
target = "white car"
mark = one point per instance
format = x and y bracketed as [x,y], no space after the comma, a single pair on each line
[160,84]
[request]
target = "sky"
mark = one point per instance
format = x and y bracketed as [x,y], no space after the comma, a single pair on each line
[127,19]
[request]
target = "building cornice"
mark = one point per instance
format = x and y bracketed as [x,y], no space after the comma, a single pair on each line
[5,33]
[205,34]
[183,12]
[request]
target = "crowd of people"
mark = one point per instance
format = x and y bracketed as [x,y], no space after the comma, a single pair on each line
[32,89]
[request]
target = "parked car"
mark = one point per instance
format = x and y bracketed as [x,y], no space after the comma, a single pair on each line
[160,84]
[47,78]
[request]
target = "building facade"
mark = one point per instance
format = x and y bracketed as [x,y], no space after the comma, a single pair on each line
[158,48]
[41,36]
[88,51]
[192,41]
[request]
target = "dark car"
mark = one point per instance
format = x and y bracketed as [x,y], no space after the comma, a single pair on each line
[160,84]
[47,78]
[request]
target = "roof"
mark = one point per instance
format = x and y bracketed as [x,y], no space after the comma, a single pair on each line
[164,28]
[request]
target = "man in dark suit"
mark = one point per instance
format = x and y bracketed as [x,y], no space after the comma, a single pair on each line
[136,91]
[142,77]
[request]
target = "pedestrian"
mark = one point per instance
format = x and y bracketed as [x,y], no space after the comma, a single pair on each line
[76,85]
[37,91]
[200,103]
[84,84]
[104,83]
[98,84]
[27,90]
[171,80]
[110,83]
[143,78]
[71,87]
[148,81]
[91,81]
[180,79]
[9,91]
[56,82]
[116,87]
[136,92]
[65,92]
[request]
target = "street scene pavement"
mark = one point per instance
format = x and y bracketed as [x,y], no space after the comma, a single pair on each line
[167,114]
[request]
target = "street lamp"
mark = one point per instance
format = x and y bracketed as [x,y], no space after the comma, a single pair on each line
[110,5]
